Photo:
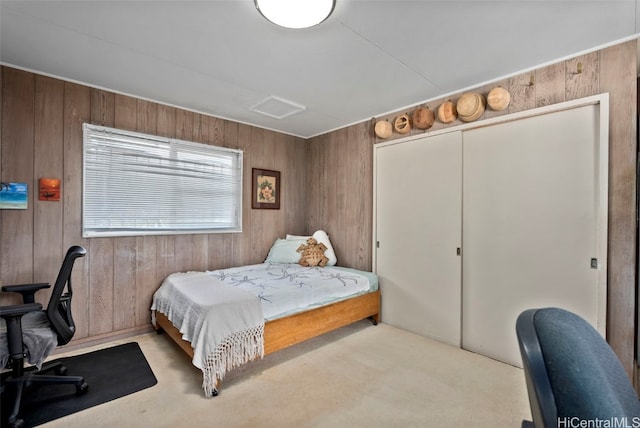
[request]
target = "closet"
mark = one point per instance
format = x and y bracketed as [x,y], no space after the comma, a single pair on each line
[474,224]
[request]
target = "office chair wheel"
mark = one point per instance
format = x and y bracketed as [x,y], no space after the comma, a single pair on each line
[82,389]
[18,423]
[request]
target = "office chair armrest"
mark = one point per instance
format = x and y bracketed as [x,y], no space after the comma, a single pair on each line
[28,291]
[19,310]
[13,317]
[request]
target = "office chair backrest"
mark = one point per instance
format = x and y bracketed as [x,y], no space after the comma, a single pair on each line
[571,371]
[59,307]
[541,399]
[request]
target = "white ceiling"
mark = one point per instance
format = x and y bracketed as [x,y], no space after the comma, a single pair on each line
[368,59]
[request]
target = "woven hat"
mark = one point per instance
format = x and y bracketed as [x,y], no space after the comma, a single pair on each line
[423,118]
[470,106]
[498,98]
[402,124]
[447,112]
[383,129]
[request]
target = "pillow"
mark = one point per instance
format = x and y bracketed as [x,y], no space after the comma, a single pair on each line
[285,251]
[297,237]
[322,237]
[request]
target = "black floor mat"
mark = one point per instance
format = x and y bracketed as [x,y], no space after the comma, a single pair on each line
[110,373]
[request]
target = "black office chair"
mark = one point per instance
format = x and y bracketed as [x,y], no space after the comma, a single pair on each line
[34,333]
[572,374]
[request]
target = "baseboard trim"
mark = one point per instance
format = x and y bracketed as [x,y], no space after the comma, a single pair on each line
[86,342]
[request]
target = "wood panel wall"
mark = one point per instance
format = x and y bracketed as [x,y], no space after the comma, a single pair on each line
[41,136]
[342,184]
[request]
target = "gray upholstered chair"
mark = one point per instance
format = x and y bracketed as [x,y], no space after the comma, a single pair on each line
[27,331]
[572,373]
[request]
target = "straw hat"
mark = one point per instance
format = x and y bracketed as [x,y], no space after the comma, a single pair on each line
[383,129]
[498,98]
[402,124]
[470,106]
[423,118]
[447,112]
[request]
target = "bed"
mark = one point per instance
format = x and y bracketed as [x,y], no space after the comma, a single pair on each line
[228,317]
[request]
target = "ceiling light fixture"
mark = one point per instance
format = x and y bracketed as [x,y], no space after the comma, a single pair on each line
[295,13]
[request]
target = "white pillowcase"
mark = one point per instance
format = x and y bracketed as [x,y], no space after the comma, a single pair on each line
[322,237]
[290,237]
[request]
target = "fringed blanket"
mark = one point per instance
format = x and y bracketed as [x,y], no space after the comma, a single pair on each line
[225,327]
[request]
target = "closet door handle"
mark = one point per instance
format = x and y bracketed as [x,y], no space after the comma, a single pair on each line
[458,251]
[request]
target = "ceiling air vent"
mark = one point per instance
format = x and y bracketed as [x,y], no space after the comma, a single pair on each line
[277,107]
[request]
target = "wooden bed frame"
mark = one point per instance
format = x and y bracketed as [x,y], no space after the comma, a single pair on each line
[284,332]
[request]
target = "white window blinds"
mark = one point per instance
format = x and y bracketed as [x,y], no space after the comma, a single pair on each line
[137,184]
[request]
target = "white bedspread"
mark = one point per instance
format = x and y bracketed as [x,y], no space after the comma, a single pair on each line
[224,324]
[286,288]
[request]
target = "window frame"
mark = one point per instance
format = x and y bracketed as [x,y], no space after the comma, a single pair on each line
[188,162]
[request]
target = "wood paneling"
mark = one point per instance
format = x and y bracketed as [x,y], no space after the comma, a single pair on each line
[113,286]
[359,209]
[101,293]
[618,77]
[16,249]
[146,278]
[49,163]
[582,76]
[341,192]
[550,85]
[522,88]
[102,107]
[124,274]
[77,110]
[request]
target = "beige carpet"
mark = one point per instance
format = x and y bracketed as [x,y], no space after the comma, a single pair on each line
[359,376]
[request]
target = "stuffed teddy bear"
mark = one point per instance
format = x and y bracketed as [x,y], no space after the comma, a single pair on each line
[312,253]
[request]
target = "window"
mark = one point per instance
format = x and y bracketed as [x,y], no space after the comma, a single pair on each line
[137,184]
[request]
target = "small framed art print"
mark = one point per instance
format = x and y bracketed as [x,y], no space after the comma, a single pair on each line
[265,189]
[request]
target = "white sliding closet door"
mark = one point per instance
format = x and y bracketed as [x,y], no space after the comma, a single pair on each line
[533,202]
[418,208]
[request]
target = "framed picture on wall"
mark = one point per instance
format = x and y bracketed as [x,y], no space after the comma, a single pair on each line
[14,196]
[49,189]
[265,189]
